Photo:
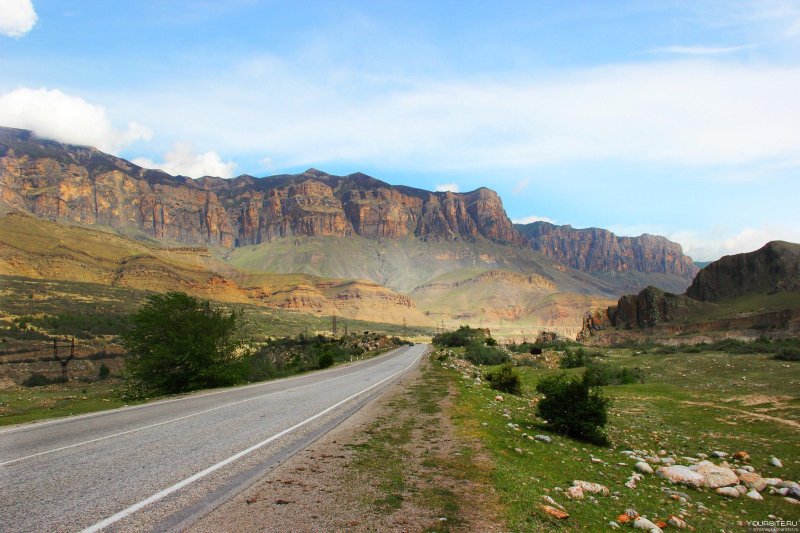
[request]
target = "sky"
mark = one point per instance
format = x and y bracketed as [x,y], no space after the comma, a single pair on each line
[672,118]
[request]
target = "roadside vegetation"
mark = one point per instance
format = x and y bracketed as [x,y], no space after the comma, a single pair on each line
[663,406]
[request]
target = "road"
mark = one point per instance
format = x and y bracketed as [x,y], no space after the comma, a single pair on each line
[162,465]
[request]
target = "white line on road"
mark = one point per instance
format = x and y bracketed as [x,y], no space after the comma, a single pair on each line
[189,480]
[134,430]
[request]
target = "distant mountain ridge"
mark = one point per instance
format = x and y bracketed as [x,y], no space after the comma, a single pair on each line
[599,250]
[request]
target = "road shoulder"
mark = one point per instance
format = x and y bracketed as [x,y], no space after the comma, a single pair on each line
[399,464]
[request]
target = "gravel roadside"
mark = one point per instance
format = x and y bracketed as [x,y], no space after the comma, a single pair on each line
[398,464]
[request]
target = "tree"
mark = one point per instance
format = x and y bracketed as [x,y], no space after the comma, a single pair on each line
[178,343]
[570,406]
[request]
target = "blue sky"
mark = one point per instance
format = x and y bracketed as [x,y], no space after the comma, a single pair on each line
[676,118]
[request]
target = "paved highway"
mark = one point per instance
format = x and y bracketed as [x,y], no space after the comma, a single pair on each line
[160,466]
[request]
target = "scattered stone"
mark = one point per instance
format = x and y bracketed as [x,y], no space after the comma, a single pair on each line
[741,456]
[670,492]
[715,476]
[793,501]
[543,438]
[575,493]
[643,467]
[748,468]
[627,452]
[498,398]
[754,495]
[772,481]
[552,511]
[793,492]
[551,501]
[677,522]
[627,516]
[596,460]
[647,525]
[728,492]
[613,525]
[282,502]
[484,424]
[742,489]
[774,461]
[702,455]
[721,455]
[518,450]
[753,481]
[594,488]
[668,461]
[680,474]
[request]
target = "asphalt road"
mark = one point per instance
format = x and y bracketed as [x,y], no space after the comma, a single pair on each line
[160,466]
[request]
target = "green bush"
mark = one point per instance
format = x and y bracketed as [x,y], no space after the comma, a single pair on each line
[603,374]
[178,343]
[788,354]
[104,372]
[480,354]
[572,407]
[505,379]
[490,341]
[572,359]
[463,336]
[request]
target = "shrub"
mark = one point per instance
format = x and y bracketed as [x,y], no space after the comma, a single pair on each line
[572,407]
[463,336]
[178,343]
[603,374]
[40,380]
[490,341]
[788,354]
[505,379]
[480,354]
[572,359]
[104,372]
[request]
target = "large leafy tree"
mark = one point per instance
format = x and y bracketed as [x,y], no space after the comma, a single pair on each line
[179,343]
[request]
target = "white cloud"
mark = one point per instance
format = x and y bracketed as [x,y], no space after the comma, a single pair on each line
[54,115]
[17,17]
[521,185]
[700,50]
[442,187]
[183,160]
[712,244]
[533,218]
[689,112]
[267,163]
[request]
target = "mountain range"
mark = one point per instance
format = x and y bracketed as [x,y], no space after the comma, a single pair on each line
[455,256]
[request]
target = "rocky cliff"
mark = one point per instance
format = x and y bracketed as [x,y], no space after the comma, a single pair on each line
[83,185]
[599,250]
[771,269]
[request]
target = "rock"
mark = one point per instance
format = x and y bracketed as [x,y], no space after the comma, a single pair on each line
[793,501]
[741,456]
[728,492]
[786,483]
[643,467]
[774,461]
[721,455]
[594,488]
[543,438]
[498,398]
[715,476]
[547,499]
[613,525]
[793,491]
[742,489]
[680,474]
[772,481]
[754,495]
[647,525]
[575,493]
[676,522]
[518,450]
[556,513]
[702,455]
[627,452]
[753,481]
[667,461]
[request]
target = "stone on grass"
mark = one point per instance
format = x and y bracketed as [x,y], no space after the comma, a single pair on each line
[728,492]
[742,489]
[793,501]
[754,495]
[647,525]
[575,493]
[594,488]
[715,476]
[643,467]
[721,455]
[753,481]
[772,481]
[793,491]
[741,456]
[498,398]
[543,438]
[774,461]
[680,474]
[551,501]
[556,513]
[613,525]
[677,522]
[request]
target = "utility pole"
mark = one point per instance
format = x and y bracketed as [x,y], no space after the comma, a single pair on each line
[64,362]
[334,325]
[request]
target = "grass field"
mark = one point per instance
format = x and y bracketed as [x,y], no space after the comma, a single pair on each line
[689,404]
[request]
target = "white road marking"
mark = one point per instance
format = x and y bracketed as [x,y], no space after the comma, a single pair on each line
[134,430]
[191,479]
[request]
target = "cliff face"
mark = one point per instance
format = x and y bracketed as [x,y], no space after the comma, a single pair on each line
[599,250]
[80,184]
[773,268]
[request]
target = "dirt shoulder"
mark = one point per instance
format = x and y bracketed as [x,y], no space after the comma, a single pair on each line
[399,464]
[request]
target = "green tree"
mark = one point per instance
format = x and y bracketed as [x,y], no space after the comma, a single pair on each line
[178,343]
[572,407]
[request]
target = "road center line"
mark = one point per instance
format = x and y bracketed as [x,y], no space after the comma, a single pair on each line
[203,473]
[134,430]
